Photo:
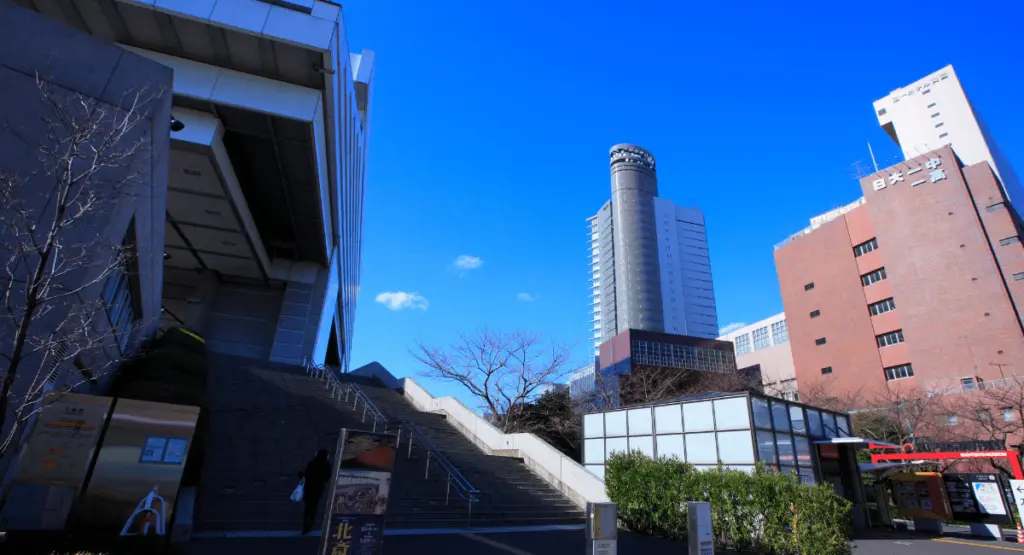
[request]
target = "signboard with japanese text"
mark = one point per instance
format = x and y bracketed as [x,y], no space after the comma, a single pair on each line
[363,464]
[916,175]
[921,495]
[701,538]
[977,498]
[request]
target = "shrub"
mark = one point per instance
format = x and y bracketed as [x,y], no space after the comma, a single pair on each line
[765,511]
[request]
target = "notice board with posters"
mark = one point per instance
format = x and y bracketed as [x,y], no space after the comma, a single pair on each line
[354,524]
[921,495]
[977,498]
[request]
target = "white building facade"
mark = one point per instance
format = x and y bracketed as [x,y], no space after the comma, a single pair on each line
[766,344]
[935,111]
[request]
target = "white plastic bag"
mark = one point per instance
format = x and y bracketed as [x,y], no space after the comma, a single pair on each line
[299,491]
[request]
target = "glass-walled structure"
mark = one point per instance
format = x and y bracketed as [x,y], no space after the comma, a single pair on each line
[734,429]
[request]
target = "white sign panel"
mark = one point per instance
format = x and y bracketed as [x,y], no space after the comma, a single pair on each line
[702,540]
[1018,494]
[604,547]
[990,499]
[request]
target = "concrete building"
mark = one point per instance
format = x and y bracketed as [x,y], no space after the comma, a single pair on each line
[919,283]
[650,265]
[256,203]
[765,344]
[935,111]
[631,348]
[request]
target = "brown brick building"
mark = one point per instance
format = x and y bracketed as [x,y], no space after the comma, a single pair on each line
[918,284]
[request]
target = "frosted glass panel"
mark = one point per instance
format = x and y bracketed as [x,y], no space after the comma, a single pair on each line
[698,417]
[593,451]
[615,423]
[593,425]
[612,445]
[668,419]
[671,446]
[596,470]
[749,469]
[640,422]
[732,414]
[700,448]
[644,444]
[735,447]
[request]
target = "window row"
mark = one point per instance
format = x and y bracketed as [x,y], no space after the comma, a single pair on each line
[783,417]
[881,307]
[703,416]
[761,338]
[703,448]
[656,353]
[899,372]
[865,247]
[873,277]
[891,338]
[780,332]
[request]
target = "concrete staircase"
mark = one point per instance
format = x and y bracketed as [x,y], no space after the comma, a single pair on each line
[267,420]
[510,494]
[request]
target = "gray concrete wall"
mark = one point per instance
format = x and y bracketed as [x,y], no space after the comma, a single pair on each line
[76,64]
[243,319]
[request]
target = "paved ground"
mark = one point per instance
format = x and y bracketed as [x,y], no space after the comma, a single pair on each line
[949,544]
[528,543]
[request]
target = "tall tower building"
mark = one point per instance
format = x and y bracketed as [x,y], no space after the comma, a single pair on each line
[935,111]
[650,266]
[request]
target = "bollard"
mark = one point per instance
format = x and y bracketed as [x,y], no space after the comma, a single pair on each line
[602,529]
[698,528]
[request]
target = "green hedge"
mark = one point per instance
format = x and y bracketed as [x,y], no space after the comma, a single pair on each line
[765,512]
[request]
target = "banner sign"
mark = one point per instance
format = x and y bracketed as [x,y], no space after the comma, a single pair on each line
[929,447]
[354,524]
[977,498]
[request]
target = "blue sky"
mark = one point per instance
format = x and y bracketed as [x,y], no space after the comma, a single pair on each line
[492,121]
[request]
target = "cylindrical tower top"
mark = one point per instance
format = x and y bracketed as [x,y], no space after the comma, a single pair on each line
[631,155]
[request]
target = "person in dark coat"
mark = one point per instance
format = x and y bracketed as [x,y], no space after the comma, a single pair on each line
[318,472]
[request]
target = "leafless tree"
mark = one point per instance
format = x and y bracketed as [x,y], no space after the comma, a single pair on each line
[501,370]
[86,158]
[992,410]
[646,384]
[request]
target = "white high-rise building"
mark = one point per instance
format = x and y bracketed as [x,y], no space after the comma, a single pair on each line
[935,111]
[649,263]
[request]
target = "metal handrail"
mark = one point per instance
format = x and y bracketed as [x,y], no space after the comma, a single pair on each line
[463,488]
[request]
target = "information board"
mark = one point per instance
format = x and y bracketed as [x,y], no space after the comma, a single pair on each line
[977,498]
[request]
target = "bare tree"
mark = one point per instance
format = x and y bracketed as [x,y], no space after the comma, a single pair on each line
[86,158]
[992,410]
[501,370]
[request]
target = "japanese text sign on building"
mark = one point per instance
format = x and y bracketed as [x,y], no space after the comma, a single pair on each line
[932,165]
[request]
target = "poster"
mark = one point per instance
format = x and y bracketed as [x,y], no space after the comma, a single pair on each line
[359,495]
[921,494]
[990,498]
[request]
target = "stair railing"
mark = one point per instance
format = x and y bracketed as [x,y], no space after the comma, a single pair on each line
[346,391]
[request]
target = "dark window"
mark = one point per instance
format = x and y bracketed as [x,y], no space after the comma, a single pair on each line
[809,286]
[943,135]
[932,105]
[826,370]
[873,277]
[890,338]
[935,115]
[119,294]
[926,91]
[881,307]
[819,341]
[815,313]
[1018,276]
[865,247]
[1009,241]
[881,112]
[899,372]
[994,207]
[940,124]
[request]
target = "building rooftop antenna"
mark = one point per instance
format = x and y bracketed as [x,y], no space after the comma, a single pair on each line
[873,161]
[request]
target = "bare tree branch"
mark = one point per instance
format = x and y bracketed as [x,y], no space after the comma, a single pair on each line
[502,371]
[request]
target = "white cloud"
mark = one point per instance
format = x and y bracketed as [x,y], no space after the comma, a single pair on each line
[400,300]
[467,262]
[729,328]
[525,298]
